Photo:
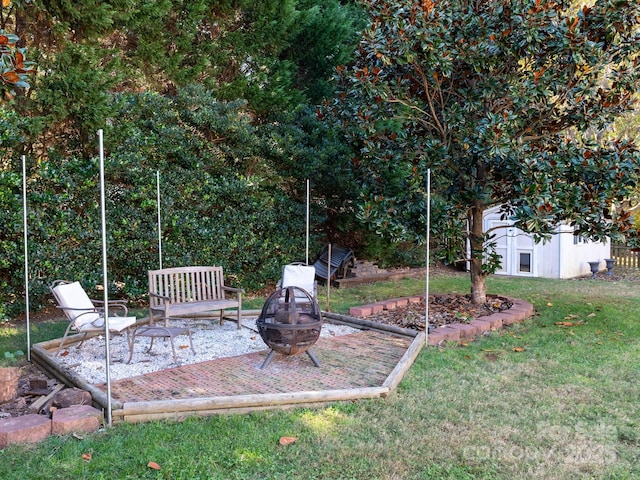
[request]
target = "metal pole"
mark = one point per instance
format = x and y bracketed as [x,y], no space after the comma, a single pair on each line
[26,253]
[426,313]
[329,280]
[105,279]
[159,223]
[307,237]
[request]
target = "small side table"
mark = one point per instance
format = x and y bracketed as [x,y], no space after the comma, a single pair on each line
[153,331]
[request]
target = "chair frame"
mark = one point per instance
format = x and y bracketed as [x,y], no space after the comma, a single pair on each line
[98,307]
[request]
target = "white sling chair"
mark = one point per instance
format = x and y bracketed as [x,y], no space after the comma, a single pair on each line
[86,315]
[302,276]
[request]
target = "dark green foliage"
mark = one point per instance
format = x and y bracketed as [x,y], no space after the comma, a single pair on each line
[232,194]
[276,55]
[213,95]
[75,93]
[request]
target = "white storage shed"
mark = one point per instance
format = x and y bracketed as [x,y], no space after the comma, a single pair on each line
[565,256]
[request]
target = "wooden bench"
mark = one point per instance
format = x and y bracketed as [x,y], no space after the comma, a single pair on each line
[184,291]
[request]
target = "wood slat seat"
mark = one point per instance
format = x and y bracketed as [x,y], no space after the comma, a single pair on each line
[183,291]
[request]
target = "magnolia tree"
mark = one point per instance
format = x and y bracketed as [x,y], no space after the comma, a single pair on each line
[14,70]
[500,100]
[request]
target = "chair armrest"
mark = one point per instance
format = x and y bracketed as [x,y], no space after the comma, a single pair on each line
[115,304]
[83,310]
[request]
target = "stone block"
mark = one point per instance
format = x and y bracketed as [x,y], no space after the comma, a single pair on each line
[436,337]
[376,308]
[389,304]
[362,311]
[75,419]
[466,329]
[37,383]
[402,302]
[497,319]
[482,325]
[30,428]
[71,396]
[450,334]
[9,377]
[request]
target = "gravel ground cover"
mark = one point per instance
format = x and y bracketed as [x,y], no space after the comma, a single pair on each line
[210,341]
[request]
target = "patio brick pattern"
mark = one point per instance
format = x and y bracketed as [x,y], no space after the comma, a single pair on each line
[363,359]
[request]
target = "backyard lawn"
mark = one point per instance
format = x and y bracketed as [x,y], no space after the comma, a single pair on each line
[555,397]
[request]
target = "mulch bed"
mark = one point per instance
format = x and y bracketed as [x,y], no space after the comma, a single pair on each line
[443,310]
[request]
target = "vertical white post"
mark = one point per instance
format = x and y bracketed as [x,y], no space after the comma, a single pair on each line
[159,221]
[105,279]
[329,279]
[426,313]
[307,235]
[26,253]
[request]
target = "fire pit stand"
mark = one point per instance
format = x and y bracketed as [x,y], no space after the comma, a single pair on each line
[290,323]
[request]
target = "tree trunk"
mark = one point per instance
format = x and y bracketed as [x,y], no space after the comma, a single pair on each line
[478,284]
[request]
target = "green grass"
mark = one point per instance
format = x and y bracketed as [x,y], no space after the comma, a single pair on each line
[555,397]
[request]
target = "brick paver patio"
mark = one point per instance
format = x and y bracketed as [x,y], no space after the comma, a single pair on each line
[363,359]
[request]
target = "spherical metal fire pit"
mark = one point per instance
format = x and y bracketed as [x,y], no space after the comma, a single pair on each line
[290,323]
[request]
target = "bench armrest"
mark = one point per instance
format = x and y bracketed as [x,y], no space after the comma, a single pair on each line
[163,297]
[231,289]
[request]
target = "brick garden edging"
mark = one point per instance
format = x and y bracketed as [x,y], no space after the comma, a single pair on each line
[455,332]
[33,428]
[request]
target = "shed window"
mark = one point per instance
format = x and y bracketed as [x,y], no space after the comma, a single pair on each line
[525,262]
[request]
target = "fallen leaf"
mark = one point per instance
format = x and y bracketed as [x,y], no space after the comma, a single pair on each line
[518,349]
[86,457]
[183,346]
[568,324]
[153,465]
[287,440]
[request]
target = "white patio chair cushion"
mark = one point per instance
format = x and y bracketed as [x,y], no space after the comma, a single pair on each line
[76,304]
[116,324]
[303,276]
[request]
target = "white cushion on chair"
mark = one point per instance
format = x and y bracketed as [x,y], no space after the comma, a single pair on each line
[302,276]
[116,324]
[73,296]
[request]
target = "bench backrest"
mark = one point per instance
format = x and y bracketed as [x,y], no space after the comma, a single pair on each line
[186,284]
